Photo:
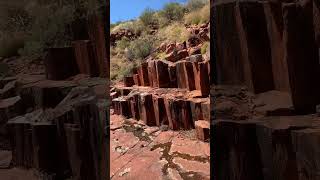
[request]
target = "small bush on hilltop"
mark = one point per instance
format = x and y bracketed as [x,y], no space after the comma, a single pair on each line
[161,20]
[173,11]
[135,26]
[148,17]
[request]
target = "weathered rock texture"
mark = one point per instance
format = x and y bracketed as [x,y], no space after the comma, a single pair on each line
[269,45]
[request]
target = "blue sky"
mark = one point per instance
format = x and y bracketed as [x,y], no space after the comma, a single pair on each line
[121,10]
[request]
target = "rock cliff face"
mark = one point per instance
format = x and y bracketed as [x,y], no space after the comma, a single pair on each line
[267,90]
[173,91]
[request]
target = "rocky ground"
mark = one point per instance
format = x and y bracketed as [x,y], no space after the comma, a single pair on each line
[141,152]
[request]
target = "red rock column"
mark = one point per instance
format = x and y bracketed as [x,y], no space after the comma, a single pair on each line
[195,105]
[255,46]
[134,105]
[305,143]
[181,75]
[136,80]
[179,114]
[172,113]
[185,75]
[206,110]
[274,20]
[143,74]
[128,81]
[228,62]
[147,111]
[45,147]
[189,75]
[162,74]
[96,28]
[85,57]
[21,143]
[160,111]
[173,76]
[60,63]
[202,130]
[74,144]
[125,108]
[301,55]
[204,81]
[152,74]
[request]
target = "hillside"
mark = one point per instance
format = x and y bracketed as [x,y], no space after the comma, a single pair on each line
[176,25]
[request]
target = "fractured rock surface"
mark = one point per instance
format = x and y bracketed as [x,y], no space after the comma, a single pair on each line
[140,153]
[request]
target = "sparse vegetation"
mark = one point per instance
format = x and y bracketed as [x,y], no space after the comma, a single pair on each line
[193,5]
[173,32]
[139,48]
[205,47]
[148,17]
[129,53]
[34,26]
[135,26]
[198,17]
[173,12]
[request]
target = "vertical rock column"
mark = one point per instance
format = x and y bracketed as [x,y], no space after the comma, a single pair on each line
[162,74]
[85,57]
[238,155]
[147,110]
[301,55]
[228,64]
[255,46]
[274,20]
[143,74]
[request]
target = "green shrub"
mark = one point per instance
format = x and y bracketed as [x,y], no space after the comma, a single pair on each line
[123,43]
[49,29]
[161,20]
[147,17]
[50,26]
[173,11]
[140,48]
[120,67]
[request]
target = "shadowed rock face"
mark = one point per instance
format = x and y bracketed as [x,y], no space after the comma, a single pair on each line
[47,138]
[259,128]
[270,45]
